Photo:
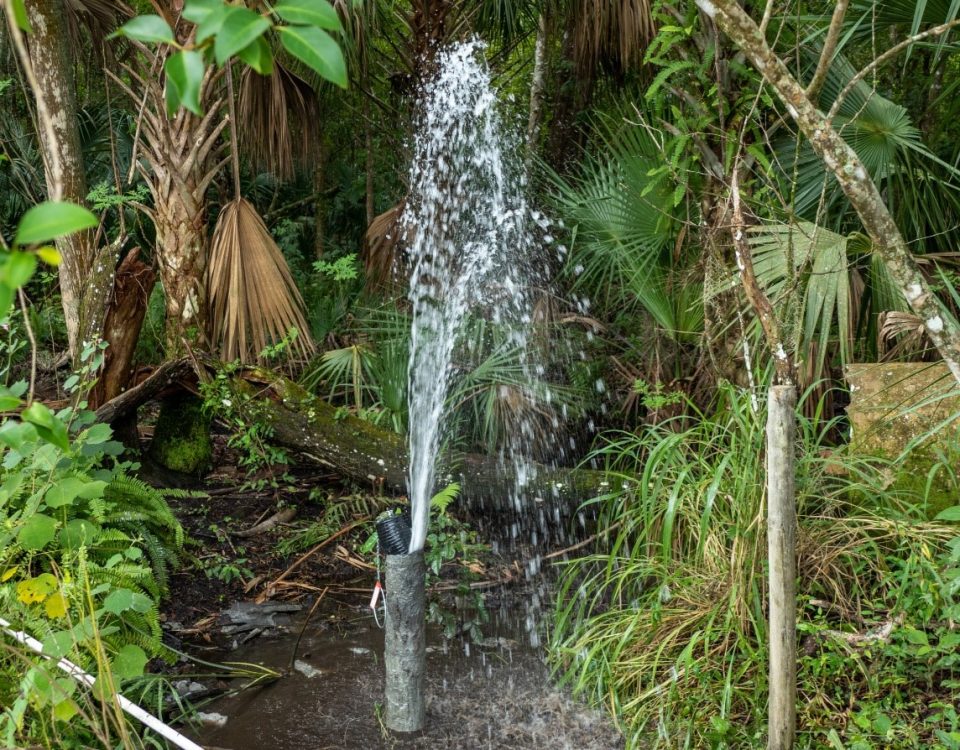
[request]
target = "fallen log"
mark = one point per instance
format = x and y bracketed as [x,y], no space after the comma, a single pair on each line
[126,402]
[361,451]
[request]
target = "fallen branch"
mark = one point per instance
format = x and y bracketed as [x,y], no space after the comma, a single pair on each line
[284,515]
[308,554]
[879,634]
[164,376]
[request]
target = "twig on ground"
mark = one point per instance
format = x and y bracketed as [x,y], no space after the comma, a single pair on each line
[284,515]
[296,646]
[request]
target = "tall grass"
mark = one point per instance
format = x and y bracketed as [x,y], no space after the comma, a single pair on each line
[664,623]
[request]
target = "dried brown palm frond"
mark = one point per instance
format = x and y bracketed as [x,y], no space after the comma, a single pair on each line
[278,120]
[612,32]
[901,333]
[99,18]
[382,245]
[254,301]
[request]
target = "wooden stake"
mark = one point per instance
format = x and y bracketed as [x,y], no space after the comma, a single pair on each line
[782,556]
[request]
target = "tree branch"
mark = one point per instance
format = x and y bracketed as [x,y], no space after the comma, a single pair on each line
[829,50]
[892,52]
[751,287]
[850,173]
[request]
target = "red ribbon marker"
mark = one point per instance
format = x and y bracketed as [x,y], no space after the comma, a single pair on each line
[377,590]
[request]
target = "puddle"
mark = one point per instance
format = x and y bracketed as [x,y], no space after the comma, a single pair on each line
[496,694]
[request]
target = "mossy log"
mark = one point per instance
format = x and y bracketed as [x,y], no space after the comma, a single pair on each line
[365,453]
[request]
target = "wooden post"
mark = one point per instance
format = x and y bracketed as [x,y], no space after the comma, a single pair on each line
[782,556]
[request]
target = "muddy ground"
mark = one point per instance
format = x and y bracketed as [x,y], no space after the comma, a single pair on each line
[486,689]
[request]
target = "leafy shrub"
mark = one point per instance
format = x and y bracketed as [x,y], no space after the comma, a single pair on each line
[665,623]
[85,551]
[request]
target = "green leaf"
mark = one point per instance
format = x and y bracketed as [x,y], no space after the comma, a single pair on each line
[310,13]
[6,298]
[118,601]
[18,269]
[58,644]
[197,11]
[316,49]
[949,514]
[916,637]
[47,425]
[211,24]
[184,72]
[129,662]
[92,489]
[78,533]
[52,219]
[63,492]
[8,399]
[98,433]
[258,56]
[240,28]
[20,16]
[65,710]
[37,532]
[149,28]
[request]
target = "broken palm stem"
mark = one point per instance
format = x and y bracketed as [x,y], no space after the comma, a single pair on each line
[306,621]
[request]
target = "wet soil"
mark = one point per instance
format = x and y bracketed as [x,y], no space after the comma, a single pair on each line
[491,690]
[493,694]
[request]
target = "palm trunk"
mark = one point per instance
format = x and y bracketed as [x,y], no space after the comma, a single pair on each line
[182,260]
[180,152]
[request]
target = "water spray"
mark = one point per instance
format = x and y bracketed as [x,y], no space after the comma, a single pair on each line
[470,245]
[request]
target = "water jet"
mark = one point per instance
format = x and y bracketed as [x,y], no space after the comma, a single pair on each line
[471,251]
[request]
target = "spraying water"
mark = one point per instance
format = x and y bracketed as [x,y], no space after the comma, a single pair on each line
[471,251]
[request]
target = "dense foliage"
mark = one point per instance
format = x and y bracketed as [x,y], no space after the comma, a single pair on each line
[253,159]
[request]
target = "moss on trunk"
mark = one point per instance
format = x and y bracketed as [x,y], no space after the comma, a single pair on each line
[181,440]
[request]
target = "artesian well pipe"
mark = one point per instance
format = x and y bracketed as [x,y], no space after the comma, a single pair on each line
[405,651]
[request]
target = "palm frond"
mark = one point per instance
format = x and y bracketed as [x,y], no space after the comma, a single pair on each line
[620,223]
[901,333]
[278,120]
[253,299]
[382,243]
[613,32]
[922,190]
[816,290]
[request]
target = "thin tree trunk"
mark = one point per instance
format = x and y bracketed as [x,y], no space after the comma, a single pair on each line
[62,158]
[850,173]
[320,195]
[781,553]
[537,85]
[368,144]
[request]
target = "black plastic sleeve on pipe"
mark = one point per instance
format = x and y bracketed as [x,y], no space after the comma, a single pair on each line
[405,647]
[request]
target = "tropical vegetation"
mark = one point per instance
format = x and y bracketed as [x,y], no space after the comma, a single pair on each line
[201,205]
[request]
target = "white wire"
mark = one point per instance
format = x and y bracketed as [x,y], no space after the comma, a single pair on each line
[88,679]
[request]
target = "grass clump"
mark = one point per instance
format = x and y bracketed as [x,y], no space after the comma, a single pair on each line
[665,622]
